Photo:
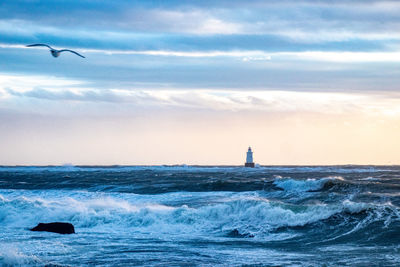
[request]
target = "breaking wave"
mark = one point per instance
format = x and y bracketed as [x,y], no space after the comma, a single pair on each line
[255,215]
[307,185]
[177,215]
[11,256]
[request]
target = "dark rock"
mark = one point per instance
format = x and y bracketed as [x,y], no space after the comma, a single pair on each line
[55,227]
[236,233]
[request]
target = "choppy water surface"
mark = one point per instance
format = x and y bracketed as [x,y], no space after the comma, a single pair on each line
[206,216]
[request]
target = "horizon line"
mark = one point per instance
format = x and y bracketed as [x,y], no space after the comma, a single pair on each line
[192,165]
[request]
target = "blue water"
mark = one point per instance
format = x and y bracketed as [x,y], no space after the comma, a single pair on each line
[202,216]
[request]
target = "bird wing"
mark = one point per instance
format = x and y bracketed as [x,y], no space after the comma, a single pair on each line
[39,45]
[71,52]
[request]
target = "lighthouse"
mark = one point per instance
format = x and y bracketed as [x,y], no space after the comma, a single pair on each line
[249,159]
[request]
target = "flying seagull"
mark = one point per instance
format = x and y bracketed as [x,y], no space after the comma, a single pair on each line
[55,52]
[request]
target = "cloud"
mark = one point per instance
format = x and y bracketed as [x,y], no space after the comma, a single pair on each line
[340,56]
[69,95]
[192,21]
[236,45]
[303,21]
[253,55]
[217,70]
[387,104]
[250,55]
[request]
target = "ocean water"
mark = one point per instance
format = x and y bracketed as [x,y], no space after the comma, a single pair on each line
[201,216]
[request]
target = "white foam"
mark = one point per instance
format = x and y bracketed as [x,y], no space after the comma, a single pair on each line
[147,214]
[303,185]
[11,256]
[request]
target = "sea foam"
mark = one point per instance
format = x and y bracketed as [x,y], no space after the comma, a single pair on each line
[294,185]
[128,212]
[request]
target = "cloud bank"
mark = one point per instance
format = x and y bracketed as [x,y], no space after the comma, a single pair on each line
[168,77]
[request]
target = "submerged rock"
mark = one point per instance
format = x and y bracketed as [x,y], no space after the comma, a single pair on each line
[55,227]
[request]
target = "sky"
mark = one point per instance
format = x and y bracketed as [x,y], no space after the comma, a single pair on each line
[197,82]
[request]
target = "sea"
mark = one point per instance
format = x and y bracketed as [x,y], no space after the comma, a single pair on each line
[201,215]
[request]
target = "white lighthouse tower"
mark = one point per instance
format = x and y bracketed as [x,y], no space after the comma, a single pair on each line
[249,159]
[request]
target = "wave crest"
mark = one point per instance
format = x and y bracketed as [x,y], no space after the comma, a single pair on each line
[10,256]
[293,185]
[257,216]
